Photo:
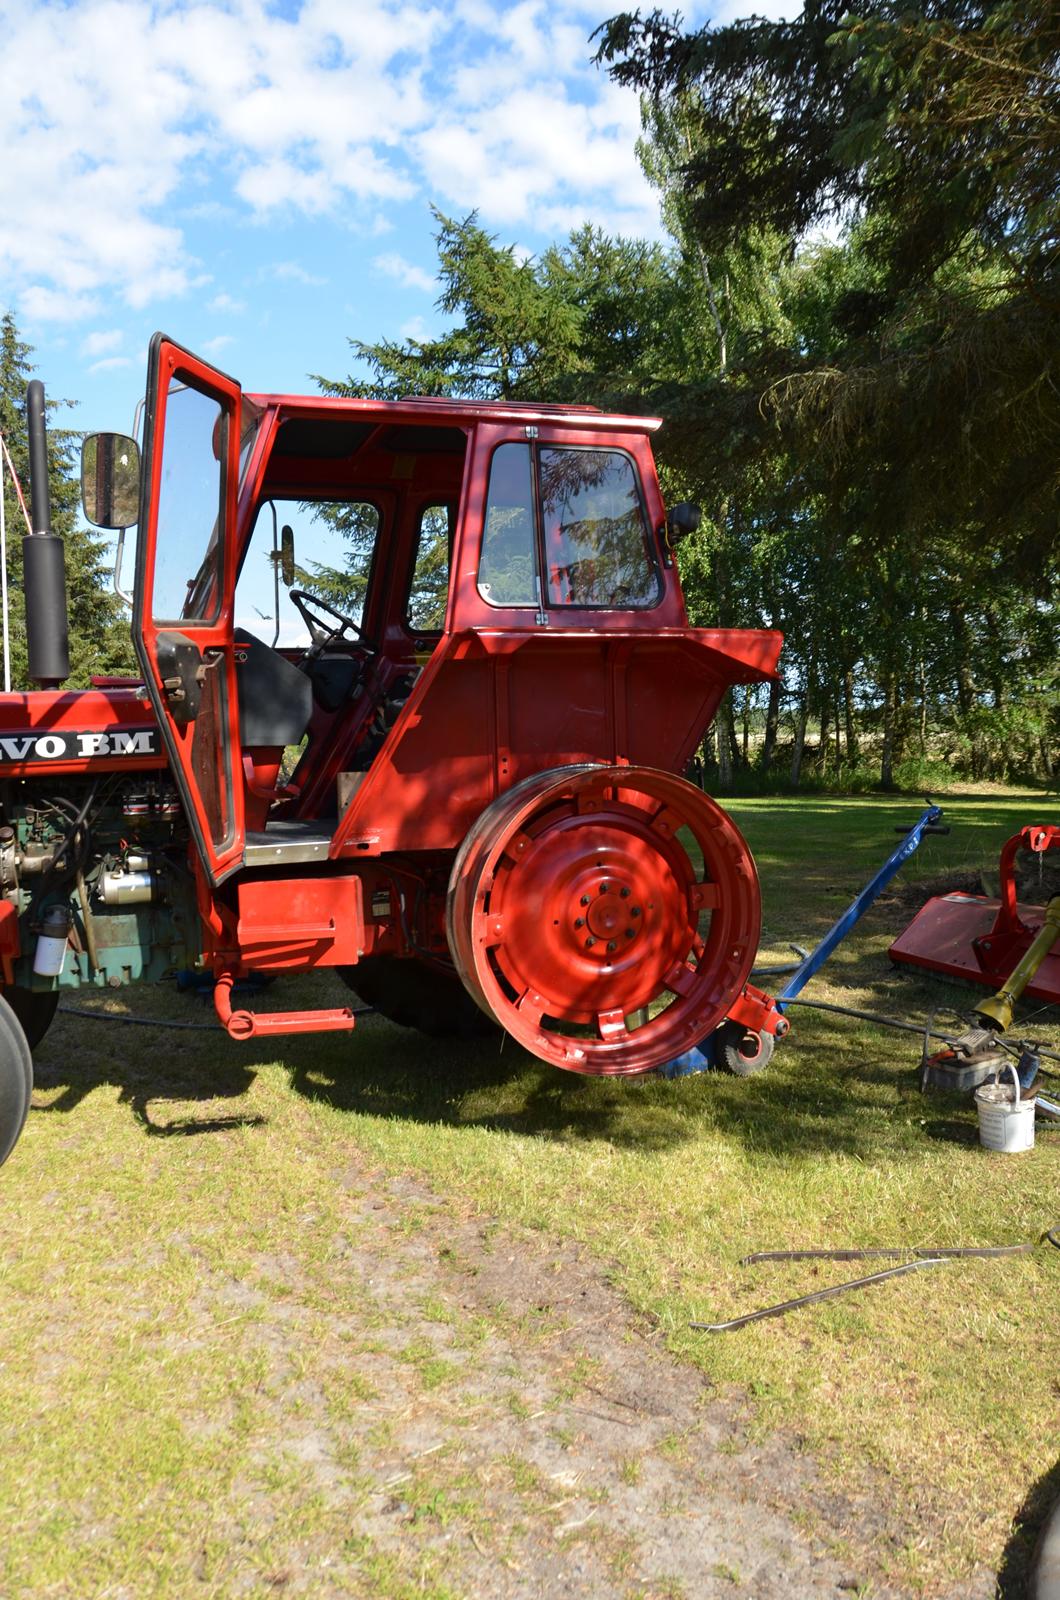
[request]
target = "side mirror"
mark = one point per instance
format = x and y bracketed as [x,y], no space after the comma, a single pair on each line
[287,572]
[684,518]
[110,480]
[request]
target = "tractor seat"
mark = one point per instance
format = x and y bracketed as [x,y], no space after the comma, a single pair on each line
[275,696]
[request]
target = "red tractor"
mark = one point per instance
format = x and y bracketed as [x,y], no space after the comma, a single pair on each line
[461,788]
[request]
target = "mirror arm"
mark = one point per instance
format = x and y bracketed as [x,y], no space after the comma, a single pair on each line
[275,570]
[119,552]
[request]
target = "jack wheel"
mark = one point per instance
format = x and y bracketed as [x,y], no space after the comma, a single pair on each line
[16,1080]
[741,1051]
[605,917]
[415,994]
[34,1010]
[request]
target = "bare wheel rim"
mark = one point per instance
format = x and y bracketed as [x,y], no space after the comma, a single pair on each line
[581,919]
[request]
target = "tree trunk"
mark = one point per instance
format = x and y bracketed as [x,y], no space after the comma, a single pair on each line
[824,743]
[745,730]
[724,741]
[848,706]
[800,745]
[772,722]
[889,719]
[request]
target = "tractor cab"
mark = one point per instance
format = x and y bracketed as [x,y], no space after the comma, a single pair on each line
[346,610]
[426,685]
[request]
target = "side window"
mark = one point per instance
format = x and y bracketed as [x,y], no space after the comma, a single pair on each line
[597,551]
[430,576]
[188,542]
[506,570]
[334,546]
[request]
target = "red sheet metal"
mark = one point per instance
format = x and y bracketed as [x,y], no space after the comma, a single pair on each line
[957,935]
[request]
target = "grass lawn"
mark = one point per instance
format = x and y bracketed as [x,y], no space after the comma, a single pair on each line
[938,1391]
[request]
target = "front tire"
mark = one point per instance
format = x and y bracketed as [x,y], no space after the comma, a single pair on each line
[35,1010]
[16,1080]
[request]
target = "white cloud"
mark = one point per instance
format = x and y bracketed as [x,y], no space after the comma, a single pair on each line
[211,347]
[225,303]
[415,328]
[43,304]
[292,272]
[111,364]
[115,157]
[98,344]
[405,272]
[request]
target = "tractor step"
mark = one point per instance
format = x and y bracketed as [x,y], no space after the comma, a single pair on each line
[285,842]
[251,1024]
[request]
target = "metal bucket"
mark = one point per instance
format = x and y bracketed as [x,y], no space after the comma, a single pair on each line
[1006,1122]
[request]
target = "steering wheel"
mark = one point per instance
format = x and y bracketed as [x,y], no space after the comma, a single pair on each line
[321,635]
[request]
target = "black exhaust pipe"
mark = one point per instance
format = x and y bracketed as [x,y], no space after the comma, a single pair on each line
[43,566]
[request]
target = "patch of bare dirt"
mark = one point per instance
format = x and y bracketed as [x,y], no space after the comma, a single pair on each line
[522,1434]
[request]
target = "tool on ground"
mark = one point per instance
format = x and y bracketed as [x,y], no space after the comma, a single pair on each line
[922,1257]
[744,1051]
[978,1053]
[820,1294]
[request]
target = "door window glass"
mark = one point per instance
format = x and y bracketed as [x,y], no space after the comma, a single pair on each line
[595,534]
[506,573]
[189,540]
[430,576]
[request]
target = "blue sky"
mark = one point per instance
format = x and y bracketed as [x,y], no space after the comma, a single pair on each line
[256,179]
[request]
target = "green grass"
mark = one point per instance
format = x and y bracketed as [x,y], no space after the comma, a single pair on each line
[140,1293]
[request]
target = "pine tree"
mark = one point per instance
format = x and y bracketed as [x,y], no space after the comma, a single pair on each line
[99,633]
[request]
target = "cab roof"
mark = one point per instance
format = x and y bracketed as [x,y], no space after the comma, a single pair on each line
[433,409]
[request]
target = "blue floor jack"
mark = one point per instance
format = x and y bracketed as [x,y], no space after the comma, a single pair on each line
[743,1053]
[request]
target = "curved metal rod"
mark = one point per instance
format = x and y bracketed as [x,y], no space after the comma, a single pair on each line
[818,1294]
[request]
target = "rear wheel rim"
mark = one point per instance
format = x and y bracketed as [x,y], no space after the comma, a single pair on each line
[580,919]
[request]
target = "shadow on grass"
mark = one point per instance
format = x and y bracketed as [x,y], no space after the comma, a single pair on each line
[391,1074]
[144,1081]
[1014,1571]
[813,1101]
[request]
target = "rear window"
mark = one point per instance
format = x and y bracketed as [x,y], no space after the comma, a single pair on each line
[595,532]
[565,526]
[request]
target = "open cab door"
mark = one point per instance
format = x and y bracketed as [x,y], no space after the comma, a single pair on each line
[185,579]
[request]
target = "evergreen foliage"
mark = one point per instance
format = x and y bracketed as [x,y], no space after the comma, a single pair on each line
[99,633]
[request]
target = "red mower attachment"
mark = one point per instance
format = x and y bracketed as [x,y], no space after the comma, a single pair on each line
[981,941]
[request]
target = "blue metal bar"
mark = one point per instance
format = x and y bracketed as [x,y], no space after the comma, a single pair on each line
[857,907]
[699,1058]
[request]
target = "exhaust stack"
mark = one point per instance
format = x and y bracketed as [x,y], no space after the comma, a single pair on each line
[43,567]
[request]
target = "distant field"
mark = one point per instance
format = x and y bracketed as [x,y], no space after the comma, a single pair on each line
[156,1160]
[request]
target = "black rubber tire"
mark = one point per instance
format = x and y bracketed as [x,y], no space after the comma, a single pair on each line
[16,1080]
[742,1052]
[1044,1577]
[415,994]
[34,1010]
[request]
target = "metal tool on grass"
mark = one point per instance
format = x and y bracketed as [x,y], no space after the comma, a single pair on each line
[744,1051]
[980,1052]
[922,1258]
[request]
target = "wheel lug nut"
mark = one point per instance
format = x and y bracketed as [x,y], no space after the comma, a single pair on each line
[589,943]
[585,900]
[630,932]
[634,911]
[579,922]
[611,945]
[603,888]
[625,894]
